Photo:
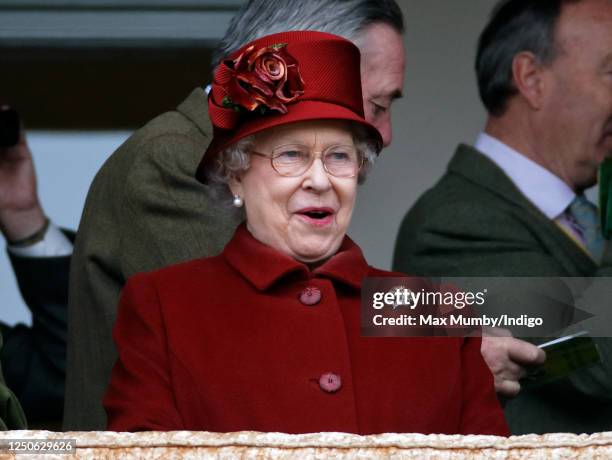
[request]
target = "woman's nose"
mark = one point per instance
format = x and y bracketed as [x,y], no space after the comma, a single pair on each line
[316,176]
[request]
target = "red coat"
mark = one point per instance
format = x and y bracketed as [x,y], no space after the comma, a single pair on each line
[225,344]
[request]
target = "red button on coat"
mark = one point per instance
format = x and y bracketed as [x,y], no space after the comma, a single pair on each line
[330,382]
[310,295]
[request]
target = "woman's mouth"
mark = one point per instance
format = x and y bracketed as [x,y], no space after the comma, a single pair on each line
[318,217]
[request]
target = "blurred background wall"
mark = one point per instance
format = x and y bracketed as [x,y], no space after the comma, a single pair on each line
[85,73]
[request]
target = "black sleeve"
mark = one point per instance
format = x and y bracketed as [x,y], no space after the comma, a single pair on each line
[34,358]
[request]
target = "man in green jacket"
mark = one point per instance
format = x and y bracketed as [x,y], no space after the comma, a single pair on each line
[515,204]
[11,414]
[145,209]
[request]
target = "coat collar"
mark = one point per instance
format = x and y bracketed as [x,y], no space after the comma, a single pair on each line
[544,189]
[477,168]
[195,108]
[263,266]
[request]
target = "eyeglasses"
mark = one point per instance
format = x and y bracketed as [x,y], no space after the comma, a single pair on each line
[292,160]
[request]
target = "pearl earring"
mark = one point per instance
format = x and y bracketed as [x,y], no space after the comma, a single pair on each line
[238,201]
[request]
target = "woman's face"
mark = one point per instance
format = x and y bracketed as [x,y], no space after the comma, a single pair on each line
[305,217]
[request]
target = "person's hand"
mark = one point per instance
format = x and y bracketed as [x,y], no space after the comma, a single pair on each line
[508,358]
[20,212]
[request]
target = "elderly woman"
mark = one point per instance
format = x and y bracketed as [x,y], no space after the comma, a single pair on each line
[265,336]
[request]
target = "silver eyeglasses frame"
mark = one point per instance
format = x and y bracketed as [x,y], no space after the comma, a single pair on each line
[320,154]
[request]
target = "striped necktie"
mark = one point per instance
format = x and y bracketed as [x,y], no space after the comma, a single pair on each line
[582,219]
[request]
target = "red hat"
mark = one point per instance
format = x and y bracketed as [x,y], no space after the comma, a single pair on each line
[284,78]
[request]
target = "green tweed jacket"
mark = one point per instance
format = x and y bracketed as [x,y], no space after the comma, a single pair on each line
[144,210]
[11,414]
[475,222]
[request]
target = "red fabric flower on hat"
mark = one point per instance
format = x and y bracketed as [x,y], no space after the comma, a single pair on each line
[264,78]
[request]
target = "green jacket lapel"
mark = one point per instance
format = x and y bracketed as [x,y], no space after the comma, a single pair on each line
[477,168]
[474,167]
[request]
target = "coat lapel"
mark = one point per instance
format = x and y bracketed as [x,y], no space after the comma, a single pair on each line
[474,167]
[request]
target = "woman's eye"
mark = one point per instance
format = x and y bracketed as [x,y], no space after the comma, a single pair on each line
[291,154]
[338,155]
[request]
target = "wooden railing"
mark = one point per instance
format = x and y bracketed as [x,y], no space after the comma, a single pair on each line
[187,444]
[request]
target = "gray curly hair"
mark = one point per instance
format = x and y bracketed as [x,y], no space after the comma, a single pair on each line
[234,161]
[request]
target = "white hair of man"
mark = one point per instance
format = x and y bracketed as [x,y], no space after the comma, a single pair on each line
[345,18]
